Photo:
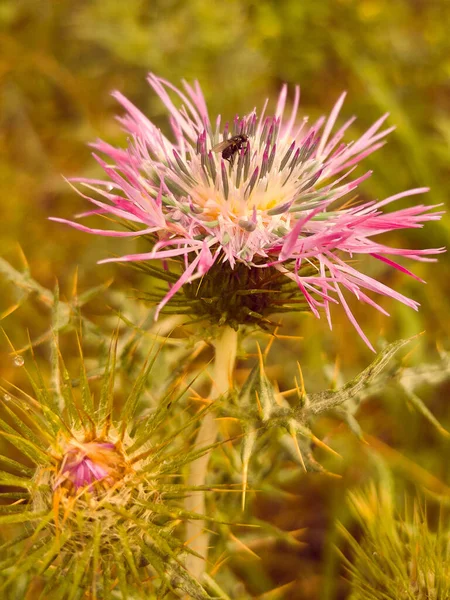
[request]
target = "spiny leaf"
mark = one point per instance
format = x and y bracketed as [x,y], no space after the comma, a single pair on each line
[39,388]
[15,541]
[246,397]
[25,517]
[25,431]
[96,559]
[215,588]
[185,582]
[17,466]
[14,495]
[52,554]
[325,401]
[81,567]
[136,392]
[10,509]
[60,311]
[128,553]
[28,448]
[32,558]
[24,282]
[122,576]
[351,422]
[246,452]
[57,400]
[67,394]
[153,422]
[89,294]
[86,397]
[107,391]
[424,411]
[107,582]
[55,585]
[179,513]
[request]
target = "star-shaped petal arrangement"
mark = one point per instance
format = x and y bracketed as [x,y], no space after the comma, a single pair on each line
[256,211]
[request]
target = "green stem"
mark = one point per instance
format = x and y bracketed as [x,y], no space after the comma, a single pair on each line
[198,538]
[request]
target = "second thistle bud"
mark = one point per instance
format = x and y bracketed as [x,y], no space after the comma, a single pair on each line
[93,465]
[103,501]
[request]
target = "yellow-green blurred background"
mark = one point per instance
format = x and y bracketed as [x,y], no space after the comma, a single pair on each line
[59,61]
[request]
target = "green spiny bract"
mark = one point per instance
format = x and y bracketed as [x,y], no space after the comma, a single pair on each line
[94,504]
[244,295]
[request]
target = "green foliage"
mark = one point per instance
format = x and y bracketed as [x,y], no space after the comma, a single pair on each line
[260,408]
[399,556]
[158,435]
[58,63]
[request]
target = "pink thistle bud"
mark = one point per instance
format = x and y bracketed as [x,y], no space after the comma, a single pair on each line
[87,464]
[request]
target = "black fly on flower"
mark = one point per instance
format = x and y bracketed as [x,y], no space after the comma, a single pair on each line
[230,147]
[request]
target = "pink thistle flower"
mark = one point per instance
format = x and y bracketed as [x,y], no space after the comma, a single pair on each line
[268,199]
[86,464]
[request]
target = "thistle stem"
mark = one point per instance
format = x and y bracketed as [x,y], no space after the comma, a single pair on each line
[198,538]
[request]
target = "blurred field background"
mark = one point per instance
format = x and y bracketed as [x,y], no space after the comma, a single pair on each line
[59,61]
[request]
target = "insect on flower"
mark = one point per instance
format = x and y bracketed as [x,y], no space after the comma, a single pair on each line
[231,147]
[281,214]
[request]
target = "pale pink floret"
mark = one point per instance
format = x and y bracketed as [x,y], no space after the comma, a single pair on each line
[84,464]
[276,206]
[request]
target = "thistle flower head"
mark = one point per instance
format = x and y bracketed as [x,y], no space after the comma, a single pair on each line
[255,202]
[90,464]
[98,493]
